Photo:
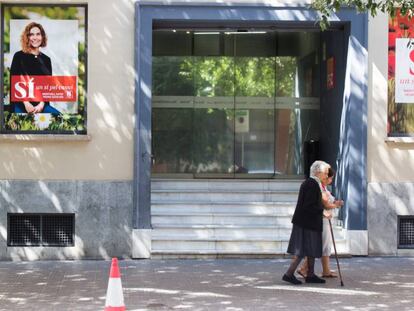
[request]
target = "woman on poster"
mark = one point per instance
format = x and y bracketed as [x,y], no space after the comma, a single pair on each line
[31,61]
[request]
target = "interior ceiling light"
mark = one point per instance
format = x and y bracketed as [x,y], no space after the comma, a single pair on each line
[244,32]
[207,33]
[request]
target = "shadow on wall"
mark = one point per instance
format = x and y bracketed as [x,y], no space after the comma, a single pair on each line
[103,221]
[351,158]
[91,179]
[110,108]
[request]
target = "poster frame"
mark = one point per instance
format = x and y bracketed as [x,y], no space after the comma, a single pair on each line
[3,130]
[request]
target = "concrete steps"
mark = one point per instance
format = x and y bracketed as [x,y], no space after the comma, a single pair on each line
[223,195]
[224,217]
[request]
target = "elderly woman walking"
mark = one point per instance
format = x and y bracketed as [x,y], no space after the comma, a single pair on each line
[306,236]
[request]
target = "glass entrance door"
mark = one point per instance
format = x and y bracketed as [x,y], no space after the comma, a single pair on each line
[231,104]
[213,138]
[254,103]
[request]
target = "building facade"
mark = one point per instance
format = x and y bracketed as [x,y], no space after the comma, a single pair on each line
[198,92]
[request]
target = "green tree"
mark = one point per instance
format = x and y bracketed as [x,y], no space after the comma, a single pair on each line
[327,7]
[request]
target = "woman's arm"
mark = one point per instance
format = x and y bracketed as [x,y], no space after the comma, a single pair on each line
[15,68]
[39,107]
[29,107]
[330,204]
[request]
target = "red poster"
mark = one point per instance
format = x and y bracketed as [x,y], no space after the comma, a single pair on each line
[43,88]
[330,73]
[400,74]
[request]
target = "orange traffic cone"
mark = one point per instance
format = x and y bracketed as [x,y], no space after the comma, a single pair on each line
[114,296]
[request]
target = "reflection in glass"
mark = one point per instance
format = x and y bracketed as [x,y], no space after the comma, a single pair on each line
[293,128]
[285,76]
[213,138]
[172,114]
[254,122]
[213,76]
[213,149]
[172,130]
[172,75]
[224,106]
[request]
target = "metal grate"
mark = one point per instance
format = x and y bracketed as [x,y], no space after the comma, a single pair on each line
[406,232]
[57,230]
[23,230]
[40,229]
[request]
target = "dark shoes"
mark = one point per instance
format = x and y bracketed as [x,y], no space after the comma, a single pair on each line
[314,279]
[291,279]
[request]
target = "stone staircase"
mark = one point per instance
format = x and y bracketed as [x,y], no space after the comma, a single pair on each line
[224,218]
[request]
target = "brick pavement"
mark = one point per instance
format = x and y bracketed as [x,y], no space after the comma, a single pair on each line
[371,283]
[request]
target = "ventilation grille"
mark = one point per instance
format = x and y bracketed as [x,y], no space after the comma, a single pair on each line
[40,229]
[406,232]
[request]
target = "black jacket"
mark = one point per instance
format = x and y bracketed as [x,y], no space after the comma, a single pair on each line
[309,209]
[30,65]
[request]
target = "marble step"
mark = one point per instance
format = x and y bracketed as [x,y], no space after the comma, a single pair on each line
[223,184]
[259,208]
[233,246]
[234,195]
[238,232]
[221,219]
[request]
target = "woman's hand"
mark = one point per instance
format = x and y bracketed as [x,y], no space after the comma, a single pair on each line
[29,107]
[39,107]
[327,214]
[339,203]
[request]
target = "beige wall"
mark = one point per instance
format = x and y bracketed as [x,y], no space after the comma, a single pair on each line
[108,155]
[387,161]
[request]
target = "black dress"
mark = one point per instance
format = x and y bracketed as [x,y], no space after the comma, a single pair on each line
[31,65]
[306,236]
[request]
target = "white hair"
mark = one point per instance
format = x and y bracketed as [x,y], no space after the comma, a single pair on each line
[318,167]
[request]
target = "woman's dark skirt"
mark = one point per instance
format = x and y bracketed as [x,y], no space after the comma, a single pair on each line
[304,242]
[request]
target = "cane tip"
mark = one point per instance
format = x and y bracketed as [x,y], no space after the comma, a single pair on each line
[342,283]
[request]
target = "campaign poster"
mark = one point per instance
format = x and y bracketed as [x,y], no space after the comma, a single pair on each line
[400,76]
[404,70]
[44,69]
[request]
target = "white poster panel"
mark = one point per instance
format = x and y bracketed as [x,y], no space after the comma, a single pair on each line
[242,121]
[62,48]
[404,70]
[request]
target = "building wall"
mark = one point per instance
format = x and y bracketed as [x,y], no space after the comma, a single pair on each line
[102,211]
[93,177]
[89,177]
[108,155]
[390,163]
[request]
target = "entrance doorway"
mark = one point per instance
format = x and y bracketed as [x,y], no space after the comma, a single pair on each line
[234,103]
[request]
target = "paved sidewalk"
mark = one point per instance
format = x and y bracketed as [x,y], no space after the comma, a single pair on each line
[371,283]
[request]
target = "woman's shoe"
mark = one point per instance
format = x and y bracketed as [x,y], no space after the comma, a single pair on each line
[314,279]
[291,279]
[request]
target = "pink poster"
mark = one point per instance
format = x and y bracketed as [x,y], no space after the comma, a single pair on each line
[404,70]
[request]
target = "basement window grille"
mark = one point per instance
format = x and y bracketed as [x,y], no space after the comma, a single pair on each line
[40,229]
[406,232]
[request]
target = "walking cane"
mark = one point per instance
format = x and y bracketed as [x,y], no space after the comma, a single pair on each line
[336,254]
